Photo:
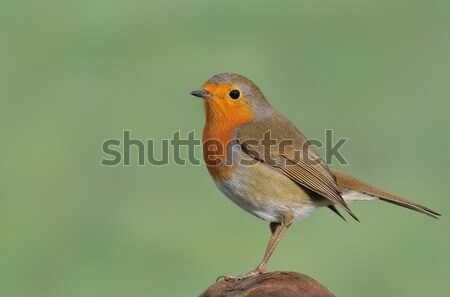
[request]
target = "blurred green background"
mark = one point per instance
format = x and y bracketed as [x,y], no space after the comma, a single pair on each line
[75,73]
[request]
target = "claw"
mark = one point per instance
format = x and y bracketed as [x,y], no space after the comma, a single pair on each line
[221,276]
[242,276]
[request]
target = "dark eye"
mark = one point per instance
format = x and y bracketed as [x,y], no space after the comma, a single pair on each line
[235,94]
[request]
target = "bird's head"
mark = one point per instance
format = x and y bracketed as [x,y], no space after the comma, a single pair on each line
[232,97]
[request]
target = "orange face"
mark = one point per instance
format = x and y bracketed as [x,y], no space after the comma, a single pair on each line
[222,107]
[226,109]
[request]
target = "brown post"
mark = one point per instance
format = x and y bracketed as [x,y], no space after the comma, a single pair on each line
[271,284]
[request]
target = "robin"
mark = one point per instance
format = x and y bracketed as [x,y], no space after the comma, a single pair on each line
[265,165]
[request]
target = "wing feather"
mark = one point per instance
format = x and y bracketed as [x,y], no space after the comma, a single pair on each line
[298,161]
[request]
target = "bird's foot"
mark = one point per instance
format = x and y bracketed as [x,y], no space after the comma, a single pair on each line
[252,273]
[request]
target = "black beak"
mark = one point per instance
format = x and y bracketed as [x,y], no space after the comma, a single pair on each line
[200,93]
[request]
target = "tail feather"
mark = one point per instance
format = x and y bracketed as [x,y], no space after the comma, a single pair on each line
[352,186]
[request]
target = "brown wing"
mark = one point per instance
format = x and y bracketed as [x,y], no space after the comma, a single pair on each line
[276,142]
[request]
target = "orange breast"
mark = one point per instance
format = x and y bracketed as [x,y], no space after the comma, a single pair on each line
[223,116]
[216,144]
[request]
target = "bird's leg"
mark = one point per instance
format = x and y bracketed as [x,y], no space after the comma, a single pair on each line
[278,230]
[287,222]
[275,228]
